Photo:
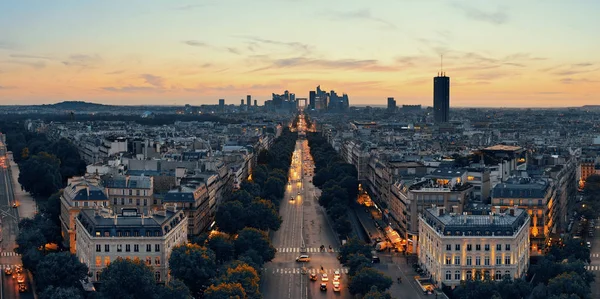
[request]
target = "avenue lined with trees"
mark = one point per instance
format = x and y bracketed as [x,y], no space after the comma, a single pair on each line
[364,279]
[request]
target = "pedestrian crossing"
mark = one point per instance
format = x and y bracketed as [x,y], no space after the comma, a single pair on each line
[595,255]
[4,267]
[307,250]
[9,253]
[300,271]
[592,268]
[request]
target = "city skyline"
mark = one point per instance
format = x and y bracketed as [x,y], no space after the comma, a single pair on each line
[503,54]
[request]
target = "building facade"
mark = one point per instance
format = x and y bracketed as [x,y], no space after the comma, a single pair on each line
[456,247]
[130,191]
[102,237]
[441,98]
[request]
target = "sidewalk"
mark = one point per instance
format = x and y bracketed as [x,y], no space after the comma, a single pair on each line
[27,207]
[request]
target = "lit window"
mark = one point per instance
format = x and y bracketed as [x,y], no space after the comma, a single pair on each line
[98,261]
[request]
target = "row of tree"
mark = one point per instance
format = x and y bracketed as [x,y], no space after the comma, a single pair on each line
[590,207]
[336,179]
[560,274]
[364,279]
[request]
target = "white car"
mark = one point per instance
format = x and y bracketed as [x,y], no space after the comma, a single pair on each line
[324,277]
[336,274]
[336,286]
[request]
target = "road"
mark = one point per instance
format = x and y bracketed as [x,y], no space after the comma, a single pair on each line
[304,226]
[8,258]
[594,265]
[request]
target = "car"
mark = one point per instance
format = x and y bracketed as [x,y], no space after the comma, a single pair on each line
[323,286]
[336,274]
[298,192]
[19,269]
[336,278]
[292,198]
[324,277]
[8,271]
[313,276]
[375,260]
[336,286]
[589,245]
[22,288]
[20,278]
[303,258]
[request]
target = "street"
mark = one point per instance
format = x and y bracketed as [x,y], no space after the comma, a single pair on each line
[594,265]
[304,229]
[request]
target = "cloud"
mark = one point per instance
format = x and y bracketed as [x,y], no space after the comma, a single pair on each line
[4,45]
[498,17]
[153,80]
[82,60]
[6,87]
[36,65]
[233,88]
[256,41]
[347,64]
[129,88]
[549,92]
[26,56]
[582,64]
[233,51]
[191,6]
[115,72]
[361,14]
[195,43]
[576,81]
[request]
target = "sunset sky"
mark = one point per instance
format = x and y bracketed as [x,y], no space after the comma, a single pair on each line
[524,53]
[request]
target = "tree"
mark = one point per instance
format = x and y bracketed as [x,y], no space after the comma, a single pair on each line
[225,291]
[374,293]
[242,273]
[30,239]
[40,174]
[342,226]
[61,293]
[222,246]
[61,269]
[230,217]
[31,257]
[357,262]
[25,153]
[194,265]
[243,196]
[569,283]
[251,238]
[127,279]
[273,186]
[354,246]
[176,289]
[365,278]
[250,187]
[261,214]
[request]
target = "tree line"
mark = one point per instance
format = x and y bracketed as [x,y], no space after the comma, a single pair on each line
[336,179]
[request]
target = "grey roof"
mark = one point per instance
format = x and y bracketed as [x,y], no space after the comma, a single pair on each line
[176,196]
[502,224]
[447,173]
[521,189]
[94,193]
[140,182]
[155,224]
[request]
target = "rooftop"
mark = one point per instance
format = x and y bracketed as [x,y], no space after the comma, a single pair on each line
[521,188]
[450,224]
[502,147]
[103,224]
[139,182]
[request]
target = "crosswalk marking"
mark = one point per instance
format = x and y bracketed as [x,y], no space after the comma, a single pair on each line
[595,254]
[9,253]
[308,250]
[592,268]
[4,267]
[299,270]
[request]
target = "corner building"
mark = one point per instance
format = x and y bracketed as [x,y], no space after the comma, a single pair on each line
[455,247]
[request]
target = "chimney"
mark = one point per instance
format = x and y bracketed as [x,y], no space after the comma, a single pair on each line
[464,217]
[491,217]
[511,212]
[142,219]
[440,211]
[115,219]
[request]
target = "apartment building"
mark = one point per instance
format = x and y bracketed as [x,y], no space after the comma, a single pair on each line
[454,247]
[80,193]
[103,236]
[193,198]
[128,191]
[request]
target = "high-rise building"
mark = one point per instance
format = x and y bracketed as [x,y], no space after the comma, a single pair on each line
[255,103]
[242,102]
[221,105]
[441,98]
[249,100]
[391,104]
[311,99]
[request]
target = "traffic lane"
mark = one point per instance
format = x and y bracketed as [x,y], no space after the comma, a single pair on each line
[396,266]
[10,288]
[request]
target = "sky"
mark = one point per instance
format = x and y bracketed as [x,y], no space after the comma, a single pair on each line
[533,53]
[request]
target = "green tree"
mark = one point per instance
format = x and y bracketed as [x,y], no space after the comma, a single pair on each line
[25,153]
[342,226]
[242,273]
[40,175]
[261,214]
[569,283]
[362,281]
[225,291]
[357,262]
[230,217]
[273,187]
[62,270]
[251,238]
[31,257]
[124,279]
[374,293]
[194,265]
[354,246]
[222,246]
[61,293]
[176,289]
[30,239]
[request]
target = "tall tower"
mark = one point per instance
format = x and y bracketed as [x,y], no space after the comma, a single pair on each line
[441,97]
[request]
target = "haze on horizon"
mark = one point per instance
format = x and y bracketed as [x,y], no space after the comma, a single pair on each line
[498,53]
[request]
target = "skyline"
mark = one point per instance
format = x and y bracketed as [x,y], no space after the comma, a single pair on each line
[504,54]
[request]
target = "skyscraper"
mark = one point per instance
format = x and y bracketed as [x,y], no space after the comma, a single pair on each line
[249,100]
[391,104]
[311,99]
[221,105]
[441,98]
[255,103]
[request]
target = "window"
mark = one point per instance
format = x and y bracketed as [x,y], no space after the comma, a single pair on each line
[498,260]
[98,261]
[136,233]
[97,275]
[106,248]
[448,247]
[136,248]
[478,261]
[98,248]
[130,200]
[499,247]
[107,234]
[119,233]
[507,247]
[107,261]
[448,275]
[119,247]
[469,247]
[145,201]
[155,201]
[498,275]
[448,261]
[469,275]
[148,247]
[127,248]
[149,261]
[478,247]
[130,192]
[469,263]
[457,247]
[115,201]
[457,260]
[137,192]
[456,275]
[157,247]
[123,201]
[137,201]
[487,247]
[507,260]
[507,274]
[157,276]
[487,260]
[157,260]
